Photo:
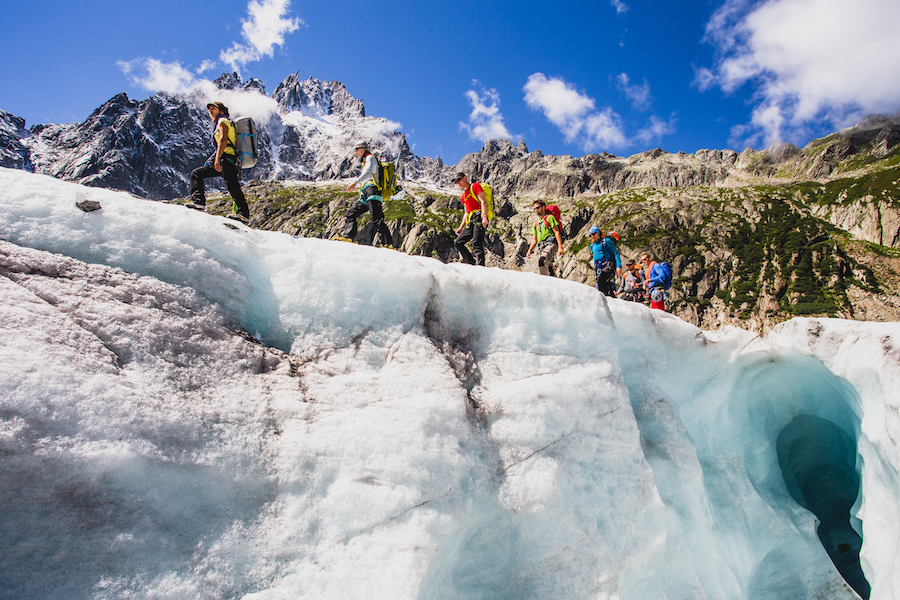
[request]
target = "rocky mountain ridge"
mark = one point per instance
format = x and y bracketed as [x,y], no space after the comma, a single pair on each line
[307,129]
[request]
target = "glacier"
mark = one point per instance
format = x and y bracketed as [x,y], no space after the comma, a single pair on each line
[190,408]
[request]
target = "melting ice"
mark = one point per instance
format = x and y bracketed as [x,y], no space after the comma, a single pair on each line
[189,410]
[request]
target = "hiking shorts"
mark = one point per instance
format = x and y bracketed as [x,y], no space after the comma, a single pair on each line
[547,251]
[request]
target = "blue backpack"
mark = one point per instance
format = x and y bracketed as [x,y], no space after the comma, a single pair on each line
[662,272]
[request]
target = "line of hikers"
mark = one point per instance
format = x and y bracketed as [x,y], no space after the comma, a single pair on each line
[649,277]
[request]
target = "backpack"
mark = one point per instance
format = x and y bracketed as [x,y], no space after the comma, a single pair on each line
[387,178]
[554,210]
[662,271]
[246,145]
[488,199]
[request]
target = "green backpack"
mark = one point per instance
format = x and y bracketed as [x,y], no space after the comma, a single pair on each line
[488,199]
[387,179]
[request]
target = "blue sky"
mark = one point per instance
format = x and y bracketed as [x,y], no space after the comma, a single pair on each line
[621,76]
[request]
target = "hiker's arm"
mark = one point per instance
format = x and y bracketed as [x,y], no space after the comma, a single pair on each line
[558,239]
[463,223]
[531,247]
[223,142]
[364,174]
[484,217]
[618,261]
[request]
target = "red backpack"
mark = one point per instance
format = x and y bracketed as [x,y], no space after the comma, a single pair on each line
[554,210]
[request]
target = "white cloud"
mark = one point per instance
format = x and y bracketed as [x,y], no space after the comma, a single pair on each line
[244,103]
[173,78]
[262,31]
[638,95]
[206,65]
[620,6]
[265,28]
[486,121]
[656,129]
[574,113]
[808,60]
[157,76]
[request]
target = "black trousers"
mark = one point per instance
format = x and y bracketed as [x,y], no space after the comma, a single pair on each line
[374,207]
[473,231]
[605,275]
[230,173]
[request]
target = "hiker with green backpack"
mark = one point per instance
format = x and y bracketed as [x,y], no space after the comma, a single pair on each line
[370,199]
[478,213]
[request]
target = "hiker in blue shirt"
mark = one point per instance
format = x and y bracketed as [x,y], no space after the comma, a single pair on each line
[658,278]
[606,261]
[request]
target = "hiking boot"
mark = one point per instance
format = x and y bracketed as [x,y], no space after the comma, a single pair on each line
[196,205]
[340,238]
[238,217]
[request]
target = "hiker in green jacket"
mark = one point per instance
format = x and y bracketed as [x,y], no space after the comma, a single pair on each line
[547,237]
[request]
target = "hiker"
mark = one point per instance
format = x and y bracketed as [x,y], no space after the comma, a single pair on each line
[223,162]
[654,282]
[633,286]
[369,200]
[606,260]
[547,236]
[646,264]
[474,222]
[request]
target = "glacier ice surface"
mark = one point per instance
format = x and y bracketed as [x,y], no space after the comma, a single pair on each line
[189,410]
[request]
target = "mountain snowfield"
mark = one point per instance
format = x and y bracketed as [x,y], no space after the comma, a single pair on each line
[194,409]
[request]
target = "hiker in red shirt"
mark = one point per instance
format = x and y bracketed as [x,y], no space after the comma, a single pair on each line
[474,223]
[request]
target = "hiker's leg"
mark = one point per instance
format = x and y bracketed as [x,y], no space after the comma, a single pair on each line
[478,242]
[460,244]
[232,175]
[358,209]
[545,259]
[380,231]
[606,283]
[198,192]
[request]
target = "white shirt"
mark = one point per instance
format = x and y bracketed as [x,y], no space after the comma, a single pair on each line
[370,168]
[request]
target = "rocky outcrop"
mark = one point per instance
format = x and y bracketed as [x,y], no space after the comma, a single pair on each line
[233,81]
[869,218]
[513,171]
[13,152]
[312,97]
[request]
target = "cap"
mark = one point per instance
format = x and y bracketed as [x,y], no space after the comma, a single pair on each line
[594,229]
[363,145]
[222,108]
[458,176]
